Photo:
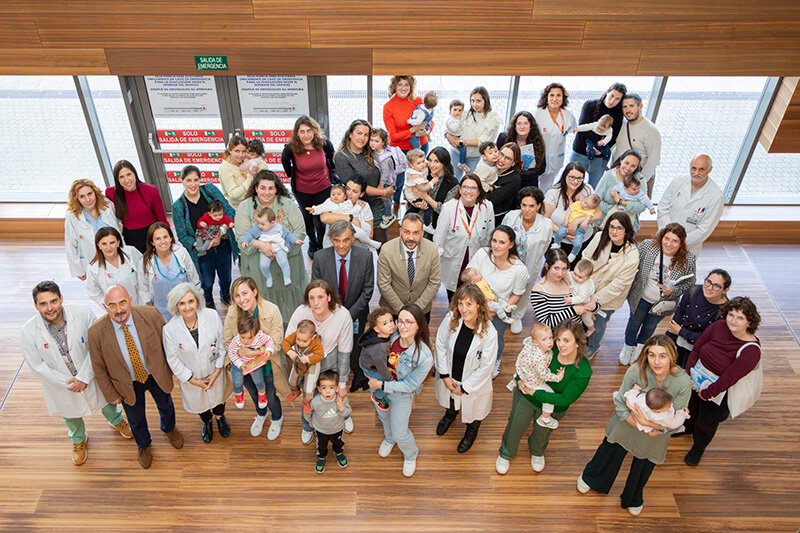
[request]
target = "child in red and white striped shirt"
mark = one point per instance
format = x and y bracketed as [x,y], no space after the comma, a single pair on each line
[255,343]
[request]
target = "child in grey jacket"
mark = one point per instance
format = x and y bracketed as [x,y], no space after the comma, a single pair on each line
[374,358]
[328,412]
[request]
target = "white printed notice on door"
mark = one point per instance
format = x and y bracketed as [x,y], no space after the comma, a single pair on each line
[273,96]
[182,96]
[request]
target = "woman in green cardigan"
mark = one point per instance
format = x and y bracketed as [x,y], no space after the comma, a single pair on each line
[570,354]
[655,368]
[267,190]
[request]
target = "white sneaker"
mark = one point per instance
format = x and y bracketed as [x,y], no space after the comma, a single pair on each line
[496,370]
[537,463]
[348,425]
[635,511]
[385,449]
[501,465]
[512,385]
[274,429]
[635,355]
[388,221]
[583,488]
[625,354]
[516,327]
[428,229]
[258,425]
[306,436]
[571,258]
[409,467]
[551,422]
[554,246]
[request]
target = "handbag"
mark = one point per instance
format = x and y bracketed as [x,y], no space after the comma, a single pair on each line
[745,392]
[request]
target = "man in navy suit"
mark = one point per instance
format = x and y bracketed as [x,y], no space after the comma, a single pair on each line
[349,270]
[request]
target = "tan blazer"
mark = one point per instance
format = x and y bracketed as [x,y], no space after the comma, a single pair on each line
[109,366]
[393,276]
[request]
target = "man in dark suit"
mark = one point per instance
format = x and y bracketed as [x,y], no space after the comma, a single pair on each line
[128,359]
[350,272]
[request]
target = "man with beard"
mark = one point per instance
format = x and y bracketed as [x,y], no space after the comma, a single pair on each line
[640,134]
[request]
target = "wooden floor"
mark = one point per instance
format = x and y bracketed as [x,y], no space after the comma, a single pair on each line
[749,479]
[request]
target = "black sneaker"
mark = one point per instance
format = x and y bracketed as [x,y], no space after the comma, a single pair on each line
[211,305]
[320,466]
[340,458]
[226,301]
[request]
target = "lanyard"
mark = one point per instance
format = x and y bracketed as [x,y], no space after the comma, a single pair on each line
[467,227]
[180,268]
[561,116]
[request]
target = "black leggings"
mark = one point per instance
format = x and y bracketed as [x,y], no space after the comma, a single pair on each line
[315,228]
[136,237]
[704,421]
[218,410]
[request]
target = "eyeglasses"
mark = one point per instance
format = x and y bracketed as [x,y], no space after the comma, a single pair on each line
[715,286]
[575,178]
[405,323]
[615,228]
[471,188]
[122,304]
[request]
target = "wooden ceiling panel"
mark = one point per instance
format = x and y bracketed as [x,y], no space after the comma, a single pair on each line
[241,60]
[402,12]
[230,9]
[781,132]
[23,61]
[19,33]
[695,34]
[154,32]
[629,13]
[449,61]
[718,62]
[383,33]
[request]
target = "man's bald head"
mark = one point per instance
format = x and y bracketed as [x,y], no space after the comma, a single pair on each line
[118,303]
[699,169]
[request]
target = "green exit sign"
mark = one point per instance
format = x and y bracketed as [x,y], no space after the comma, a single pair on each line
[211,62]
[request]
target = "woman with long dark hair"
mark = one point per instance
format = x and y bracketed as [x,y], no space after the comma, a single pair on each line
[113,264]
[524,132]
[554,120]
[478,125]
[136,204]
[444,186]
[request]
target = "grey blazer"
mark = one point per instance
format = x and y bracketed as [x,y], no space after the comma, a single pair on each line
[360,281]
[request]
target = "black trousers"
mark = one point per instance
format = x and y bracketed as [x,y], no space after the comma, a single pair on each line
[137,418]
[337,443]
[704,421]
[315,228]
[218,410]
[136,237]
[602,470]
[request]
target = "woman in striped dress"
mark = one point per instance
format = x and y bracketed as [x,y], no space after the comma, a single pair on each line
[547,296]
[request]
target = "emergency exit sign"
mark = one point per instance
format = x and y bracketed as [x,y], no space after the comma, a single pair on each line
[211,62]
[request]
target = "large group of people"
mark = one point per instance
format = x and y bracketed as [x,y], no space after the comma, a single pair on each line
[556,238]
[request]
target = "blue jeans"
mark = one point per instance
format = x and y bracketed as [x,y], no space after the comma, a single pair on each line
[500,327]
[256,375]
[605,151]
[282,258]
[400,179]
[462,154]
[471,162]
[137,418]
[273,404]
[395,424]
[379,394]
[595,171]
[577,240]
[600,323]
[216,261]
[641,324]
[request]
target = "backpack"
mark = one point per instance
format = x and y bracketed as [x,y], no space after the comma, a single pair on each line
[399,159]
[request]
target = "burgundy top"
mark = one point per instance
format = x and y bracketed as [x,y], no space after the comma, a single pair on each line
[143,209]
[311,171]
[716,348]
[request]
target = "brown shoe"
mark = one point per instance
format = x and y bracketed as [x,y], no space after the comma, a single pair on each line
[145,457]
[80,453]
[175,438]
[124,429]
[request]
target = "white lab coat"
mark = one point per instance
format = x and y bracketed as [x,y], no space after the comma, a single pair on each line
[532,245]
[698,213]
[554,143]
[186,359]
[146,281]
[79,239]
[99,279]
[477,375]
[453,239]
[41,353]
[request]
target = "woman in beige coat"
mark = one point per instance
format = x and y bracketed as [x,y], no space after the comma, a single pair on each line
[615,258]
[249,301]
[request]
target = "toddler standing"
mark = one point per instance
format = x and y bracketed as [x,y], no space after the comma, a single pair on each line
[533,369]
[423,113]
[304,348]
[453,127]
[374,358]
[582,290]
[328,412]
[268,230]
[392,162]
[579,215]
[211,225]
[499,305]
[656,406]
[259,346]
[486,169]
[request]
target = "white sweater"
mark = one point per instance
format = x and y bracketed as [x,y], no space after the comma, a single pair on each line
[645,139]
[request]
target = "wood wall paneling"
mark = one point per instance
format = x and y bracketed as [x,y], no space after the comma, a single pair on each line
[241,60]
[163,32]
[18,33]
[511,61]
[718,62]
[80,9]
[629,13]
[474,33]
[402,12]
[66,61]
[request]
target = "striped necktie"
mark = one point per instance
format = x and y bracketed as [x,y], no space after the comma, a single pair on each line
[410,268]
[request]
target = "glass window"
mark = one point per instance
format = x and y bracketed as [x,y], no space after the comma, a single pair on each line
[114,121]
[770,179]
[46,145]
[704,114]
[447,88]
[347,101]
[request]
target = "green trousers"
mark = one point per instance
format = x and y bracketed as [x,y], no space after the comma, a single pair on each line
[522,414]
[77,429]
